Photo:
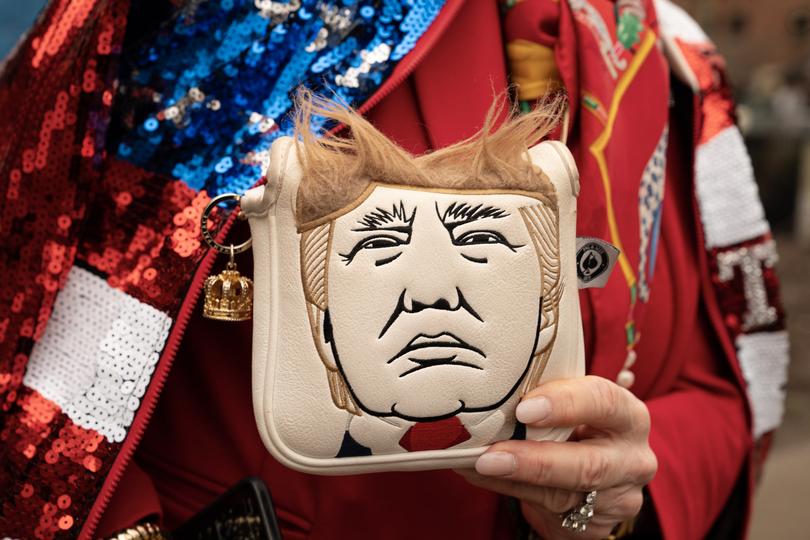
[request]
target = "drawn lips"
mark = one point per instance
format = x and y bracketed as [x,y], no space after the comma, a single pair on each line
[439,341]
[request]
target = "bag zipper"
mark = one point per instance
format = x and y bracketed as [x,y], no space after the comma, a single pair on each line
[136,431]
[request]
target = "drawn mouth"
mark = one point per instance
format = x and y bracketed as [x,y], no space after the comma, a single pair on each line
[445,340]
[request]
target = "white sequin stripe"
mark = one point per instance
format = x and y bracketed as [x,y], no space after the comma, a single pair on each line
[727,194]
[97,354]
[731,212]
[764,361]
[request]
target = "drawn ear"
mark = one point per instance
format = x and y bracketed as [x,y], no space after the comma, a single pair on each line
[322,332]
[546,335]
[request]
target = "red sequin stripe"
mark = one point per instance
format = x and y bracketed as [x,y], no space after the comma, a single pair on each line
[143,233]
[55,98]
[51,469]
[717,103]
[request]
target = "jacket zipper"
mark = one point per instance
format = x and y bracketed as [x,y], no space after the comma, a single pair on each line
[158,380]
[130,444]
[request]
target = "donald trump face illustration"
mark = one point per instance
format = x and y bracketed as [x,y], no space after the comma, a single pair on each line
[432,283]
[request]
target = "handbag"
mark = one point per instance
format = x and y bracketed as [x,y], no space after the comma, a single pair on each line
[404,304]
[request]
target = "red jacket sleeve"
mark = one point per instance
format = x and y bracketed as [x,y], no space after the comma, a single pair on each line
[701,438]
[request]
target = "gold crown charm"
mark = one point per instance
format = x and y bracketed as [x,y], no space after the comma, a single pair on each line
[228,296]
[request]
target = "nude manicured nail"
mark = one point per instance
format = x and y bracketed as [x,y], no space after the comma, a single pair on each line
[531,411]
[496,464]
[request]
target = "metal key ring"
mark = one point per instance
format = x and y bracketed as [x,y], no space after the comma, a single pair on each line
[208,237]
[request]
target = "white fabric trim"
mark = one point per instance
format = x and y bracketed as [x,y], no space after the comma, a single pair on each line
[97,354]
[677,23]
[727,194]
[764,358]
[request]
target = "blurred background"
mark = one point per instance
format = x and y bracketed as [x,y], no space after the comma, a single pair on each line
[767,47]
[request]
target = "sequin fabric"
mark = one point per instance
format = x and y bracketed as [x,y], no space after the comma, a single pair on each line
[55,98]
[63,463]
[112,141]
[737,238]
[145,236]
[205,97]
[718,104]
[97,357]
[745,276]
[46,188]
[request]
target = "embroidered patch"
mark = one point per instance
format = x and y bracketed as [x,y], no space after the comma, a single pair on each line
[97,354]
[630,17]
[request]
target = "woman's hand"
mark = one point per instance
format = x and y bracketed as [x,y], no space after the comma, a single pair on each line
[607,452]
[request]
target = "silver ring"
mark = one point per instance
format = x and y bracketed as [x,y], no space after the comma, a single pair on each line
[209,238]
[578,517]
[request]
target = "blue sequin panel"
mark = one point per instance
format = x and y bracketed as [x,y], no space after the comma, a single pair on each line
[204,96]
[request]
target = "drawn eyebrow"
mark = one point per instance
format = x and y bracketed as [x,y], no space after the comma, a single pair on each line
[459,213]
[395,219]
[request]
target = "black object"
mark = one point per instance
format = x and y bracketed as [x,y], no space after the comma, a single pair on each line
[244,512]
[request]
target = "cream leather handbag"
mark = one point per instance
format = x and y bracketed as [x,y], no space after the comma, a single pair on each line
[398,327]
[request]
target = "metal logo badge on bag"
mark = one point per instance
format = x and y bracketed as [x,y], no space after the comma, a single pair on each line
[595,261]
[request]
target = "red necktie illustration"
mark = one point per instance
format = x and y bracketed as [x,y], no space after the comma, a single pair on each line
[437,435]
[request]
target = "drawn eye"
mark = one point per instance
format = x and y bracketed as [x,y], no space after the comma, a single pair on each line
[379,242]
[480,237]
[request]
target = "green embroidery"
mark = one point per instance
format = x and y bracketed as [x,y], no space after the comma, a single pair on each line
[629,29]
[590,103]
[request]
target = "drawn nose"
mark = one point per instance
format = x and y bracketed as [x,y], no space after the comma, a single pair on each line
[432,280]
[417,306]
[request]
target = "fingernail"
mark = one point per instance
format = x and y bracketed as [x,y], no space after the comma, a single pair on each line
[496,464]
[531,411]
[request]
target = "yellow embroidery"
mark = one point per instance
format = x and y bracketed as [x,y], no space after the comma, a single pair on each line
[598,148]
